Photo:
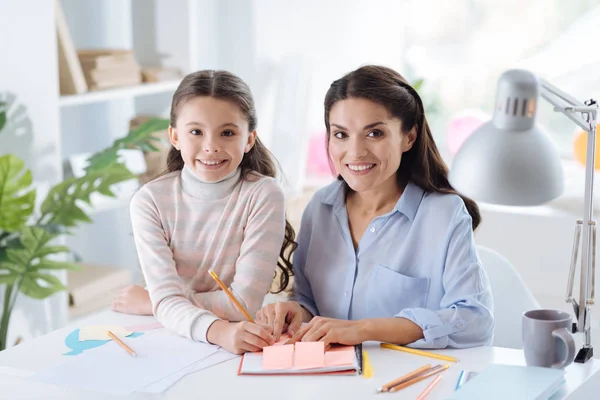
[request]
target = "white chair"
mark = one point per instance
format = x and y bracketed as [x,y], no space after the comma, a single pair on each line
[511,298]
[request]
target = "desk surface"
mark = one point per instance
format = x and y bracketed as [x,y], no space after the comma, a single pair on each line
[221,381]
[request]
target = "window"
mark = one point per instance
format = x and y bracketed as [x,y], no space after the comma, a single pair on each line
[458,47]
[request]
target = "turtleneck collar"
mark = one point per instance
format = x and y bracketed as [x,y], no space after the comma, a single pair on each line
[196,187]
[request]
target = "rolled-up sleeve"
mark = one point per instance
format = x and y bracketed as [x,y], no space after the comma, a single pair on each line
[465,317]
[302,292]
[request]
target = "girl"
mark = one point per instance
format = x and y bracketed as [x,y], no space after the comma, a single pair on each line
[218,207]
[385,253]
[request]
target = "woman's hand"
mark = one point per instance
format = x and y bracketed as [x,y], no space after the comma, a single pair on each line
[283,317]
[239,337]
[133,300]
[331,331]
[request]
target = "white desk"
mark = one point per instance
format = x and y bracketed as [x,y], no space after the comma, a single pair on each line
[222,382]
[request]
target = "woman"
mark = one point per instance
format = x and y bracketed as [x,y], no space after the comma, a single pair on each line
[386,252]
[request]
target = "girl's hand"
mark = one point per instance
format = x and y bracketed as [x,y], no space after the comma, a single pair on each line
[133,300]
[331,331]
[282,317]
[239,337]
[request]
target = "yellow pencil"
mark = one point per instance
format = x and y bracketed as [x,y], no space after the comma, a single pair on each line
[368,368]
[418,352]
[231,296]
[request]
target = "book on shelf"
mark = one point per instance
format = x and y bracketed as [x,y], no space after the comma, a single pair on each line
[70,73]
[106,58]
[119,81]
[109,68]
[99,75]
[160,74]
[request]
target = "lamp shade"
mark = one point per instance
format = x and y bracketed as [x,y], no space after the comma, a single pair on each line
[510,160]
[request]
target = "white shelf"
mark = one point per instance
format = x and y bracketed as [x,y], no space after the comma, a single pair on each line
[118,93]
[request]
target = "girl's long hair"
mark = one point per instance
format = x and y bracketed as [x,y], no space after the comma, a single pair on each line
[227,86]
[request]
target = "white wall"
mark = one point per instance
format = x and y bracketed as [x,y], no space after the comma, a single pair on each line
[28,73]
[335,37]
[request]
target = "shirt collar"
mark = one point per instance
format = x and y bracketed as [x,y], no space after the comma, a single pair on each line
[407,204]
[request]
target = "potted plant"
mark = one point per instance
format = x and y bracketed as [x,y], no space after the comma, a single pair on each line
[28,237]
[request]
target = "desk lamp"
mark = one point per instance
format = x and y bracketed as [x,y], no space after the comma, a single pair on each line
[511,161]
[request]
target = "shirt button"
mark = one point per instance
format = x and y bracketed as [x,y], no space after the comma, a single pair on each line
[345,294]
[372,229]
[460,325]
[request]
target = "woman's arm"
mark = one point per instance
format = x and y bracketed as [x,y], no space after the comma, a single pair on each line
[255,267]
[465,317]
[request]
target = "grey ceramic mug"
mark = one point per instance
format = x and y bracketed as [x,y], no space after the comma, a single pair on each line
[547,341]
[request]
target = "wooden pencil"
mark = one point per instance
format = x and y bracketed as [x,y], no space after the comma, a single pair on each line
[230,295]
[419,378]
[121,343]
[429,387]
[404,378]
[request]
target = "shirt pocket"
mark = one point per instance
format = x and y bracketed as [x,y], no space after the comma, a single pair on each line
[390,292]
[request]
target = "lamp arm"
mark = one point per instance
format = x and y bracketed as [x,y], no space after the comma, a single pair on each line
[584,114]
[567,111]
[559,93]
[586,288]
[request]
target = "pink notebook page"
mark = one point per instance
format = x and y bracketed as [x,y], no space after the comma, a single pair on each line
[340,356]
[278,357]
[309,355]
[144,327]
[282,340]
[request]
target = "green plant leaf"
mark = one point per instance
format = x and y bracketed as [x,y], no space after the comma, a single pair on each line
[417,84]
[27,265]
[12,267]
[30,286]
[45,251]
[16,200]
[8,279]
[45,264]
[2,115]
[139,138]
[62,204]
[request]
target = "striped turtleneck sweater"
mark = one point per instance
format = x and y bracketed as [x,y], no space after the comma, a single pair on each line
[183,227]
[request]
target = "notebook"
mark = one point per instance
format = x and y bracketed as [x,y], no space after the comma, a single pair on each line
[511,382]
[303,358]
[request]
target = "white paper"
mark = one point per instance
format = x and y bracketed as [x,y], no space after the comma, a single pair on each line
[110,369]
[165,383]
[100,332]
[10,371]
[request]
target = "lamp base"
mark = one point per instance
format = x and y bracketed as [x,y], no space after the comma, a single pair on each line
[584,354]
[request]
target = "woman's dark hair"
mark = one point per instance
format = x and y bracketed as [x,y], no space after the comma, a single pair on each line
[422,164]
[227,86]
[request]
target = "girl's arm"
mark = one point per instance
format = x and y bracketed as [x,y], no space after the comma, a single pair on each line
[169,302]
[257,262]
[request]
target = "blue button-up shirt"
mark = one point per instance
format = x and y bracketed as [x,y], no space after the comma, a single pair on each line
[417,262]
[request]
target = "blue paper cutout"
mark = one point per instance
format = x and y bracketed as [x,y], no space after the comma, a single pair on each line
[77,347]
